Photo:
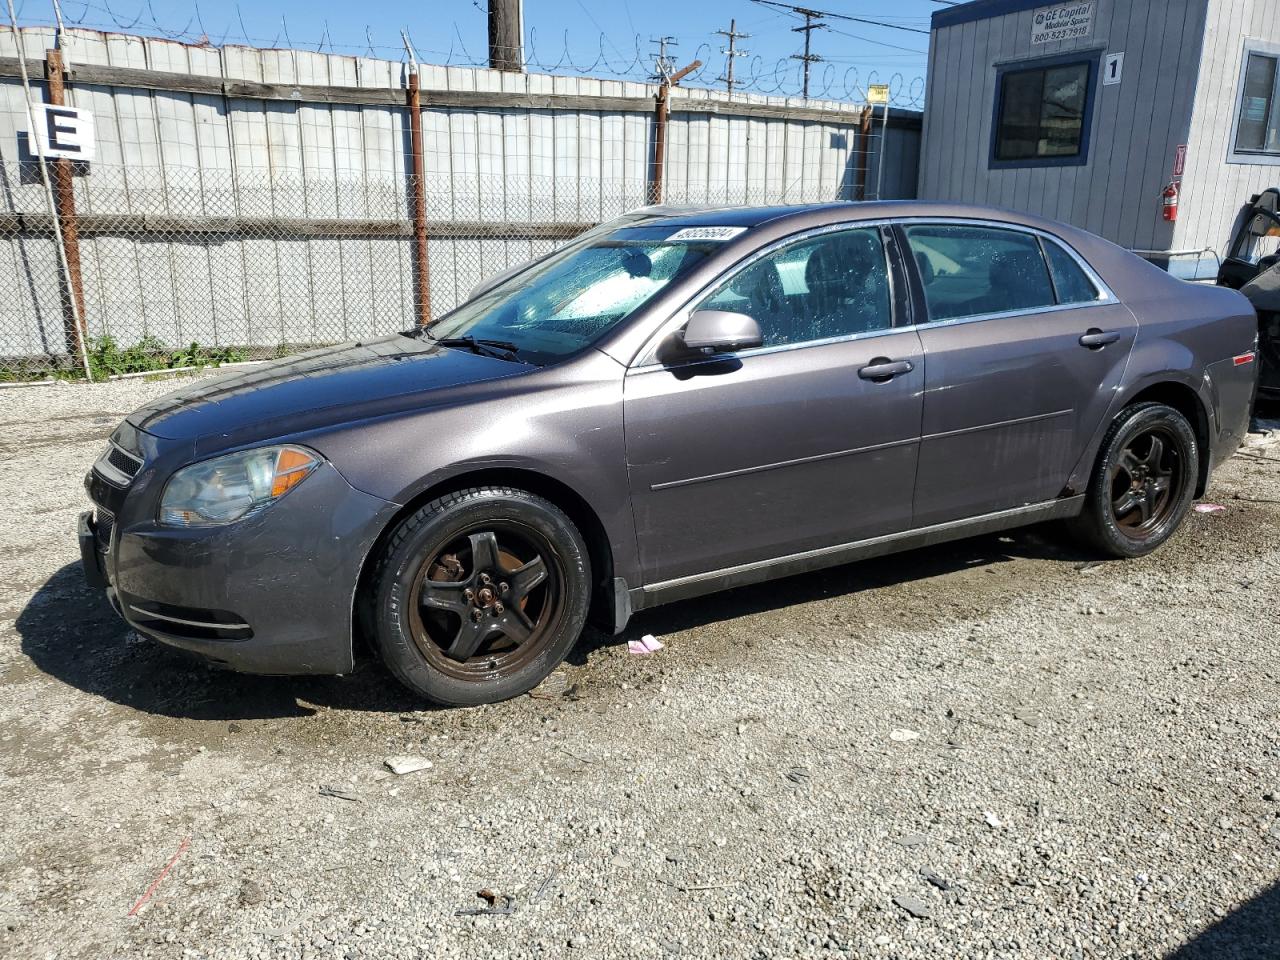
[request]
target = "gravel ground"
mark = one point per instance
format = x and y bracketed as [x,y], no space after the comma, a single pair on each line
[991,749]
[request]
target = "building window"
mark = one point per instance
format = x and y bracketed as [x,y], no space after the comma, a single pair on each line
[1042,113]
[1258,119]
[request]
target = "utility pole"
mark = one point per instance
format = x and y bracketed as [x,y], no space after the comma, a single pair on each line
[506,35]
[812,22]
[731,53]
[662,114]
[664,66]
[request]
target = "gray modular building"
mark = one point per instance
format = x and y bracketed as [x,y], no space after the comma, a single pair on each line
[1101,112]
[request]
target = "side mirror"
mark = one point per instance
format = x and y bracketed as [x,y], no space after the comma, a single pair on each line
[719,331]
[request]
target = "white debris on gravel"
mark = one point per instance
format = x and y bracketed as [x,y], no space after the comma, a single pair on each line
[402,765]
[737,796]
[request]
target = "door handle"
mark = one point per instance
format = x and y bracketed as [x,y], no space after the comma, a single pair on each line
[1095,339]
[882,369]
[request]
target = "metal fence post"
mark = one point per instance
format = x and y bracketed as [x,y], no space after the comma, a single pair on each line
[864,148]
[880,154]
[64,187]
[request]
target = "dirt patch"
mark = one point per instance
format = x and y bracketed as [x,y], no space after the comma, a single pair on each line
[1080,753]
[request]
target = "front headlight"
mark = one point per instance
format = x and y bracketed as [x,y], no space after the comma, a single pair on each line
[230,488]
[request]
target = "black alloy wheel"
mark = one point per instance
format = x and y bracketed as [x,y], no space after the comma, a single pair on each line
[1143,482]
[486,600]
[480,594]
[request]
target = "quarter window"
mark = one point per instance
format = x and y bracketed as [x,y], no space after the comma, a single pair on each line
[1258,121]
[1071,284]
[1042,114]
[971,271]
[833,285]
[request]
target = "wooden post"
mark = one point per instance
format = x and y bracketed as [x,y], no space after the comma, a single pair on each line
[662,113]
[506,40]
[423,273]
[64,188]
[864,148]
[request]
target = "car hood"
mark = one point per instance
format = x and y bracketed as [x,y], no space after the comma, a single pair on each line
[349,382]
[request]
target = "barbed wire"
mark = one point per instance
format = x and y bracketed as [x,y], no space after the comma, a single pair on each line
[632,60]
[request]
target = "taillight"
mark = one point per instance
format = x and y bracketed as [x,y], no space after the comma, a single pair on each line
[1242,359]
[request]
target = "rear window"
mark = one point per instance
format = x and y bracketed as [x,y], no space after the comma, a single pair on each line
[970,271]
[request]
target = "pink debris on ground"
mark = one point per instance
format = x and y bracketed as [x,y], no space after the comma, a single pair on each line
[644,646]
[1209,508]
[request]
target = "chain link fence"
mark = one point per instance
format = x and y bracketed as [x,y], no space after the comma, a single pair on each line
[183,266]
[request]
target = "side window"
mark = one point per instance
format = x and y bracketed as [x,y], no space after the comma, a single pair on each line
[833,285]
[1071,283]
[969,271]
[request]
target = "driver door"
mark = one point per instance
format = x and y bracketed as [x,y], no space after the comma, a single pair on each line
[806,442]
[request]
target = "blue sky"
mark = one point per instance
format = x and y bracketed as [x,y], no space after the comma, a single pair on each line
[443,29]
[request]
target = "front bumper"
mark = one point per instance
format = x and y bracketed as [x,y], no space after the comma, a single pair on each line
[90,559]
[273,593]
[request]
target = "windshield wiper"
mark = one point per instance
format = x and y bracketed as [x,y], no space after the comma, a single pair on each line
[485,346]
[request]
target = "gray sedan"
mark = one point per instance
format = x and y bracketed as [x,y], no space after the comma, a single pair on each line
[679,402]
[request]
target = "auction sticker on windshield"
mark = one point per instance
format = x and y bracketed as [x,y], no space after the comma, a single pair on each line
[706,233]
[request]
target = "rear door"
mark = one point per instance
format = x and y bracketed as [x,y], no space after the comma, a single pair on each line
[1024,348]
[806,442]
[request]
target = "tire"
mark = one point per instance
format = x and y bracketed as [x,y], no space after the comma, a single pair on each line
[478,595]
[1139,493]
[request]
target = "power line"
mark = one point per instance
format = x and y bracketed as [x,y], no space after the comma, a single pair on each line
[878,43]
[803,11]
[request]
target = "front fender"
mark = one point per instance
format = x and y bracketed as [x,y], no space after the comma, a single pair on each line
[564,424]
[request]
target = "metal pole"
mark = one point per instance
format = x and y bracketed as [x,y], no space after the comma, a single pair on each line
[864,147]
[48,190]
[66,195]
[884,143]
[422,274]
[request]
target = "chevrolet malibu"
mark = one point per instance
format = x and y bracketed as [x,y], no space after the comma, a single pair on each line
[678,402]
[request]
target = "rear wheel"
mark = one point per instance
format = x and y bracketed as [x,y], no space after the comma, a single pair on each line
[1143,482]
[479,595]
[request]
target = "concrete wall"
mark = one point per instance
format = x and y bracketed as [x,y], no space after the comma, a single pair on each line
[1136,125]
[514,165]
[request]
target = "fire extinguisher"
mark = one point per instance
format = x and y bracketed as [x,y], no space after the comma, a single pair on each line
[1170,201]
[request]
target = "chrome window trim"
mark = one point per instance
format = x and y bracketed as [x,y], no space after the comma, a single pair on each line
[680,316]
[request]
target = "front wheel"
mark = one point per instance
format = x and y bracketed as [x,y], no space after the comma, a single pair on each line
[479,595]
[1143,482]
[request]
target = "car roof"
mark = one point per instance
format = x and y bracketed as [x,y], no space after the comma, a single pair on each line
[716,216]
[801,215]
